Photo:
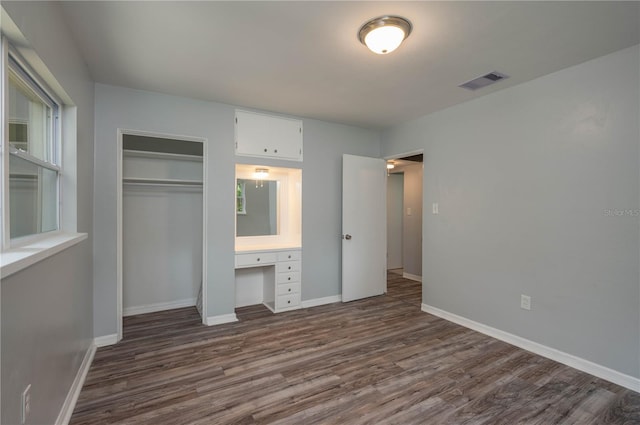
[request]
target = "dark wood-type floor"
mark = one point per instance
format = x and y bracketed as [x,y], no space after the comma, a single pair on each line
[374,361]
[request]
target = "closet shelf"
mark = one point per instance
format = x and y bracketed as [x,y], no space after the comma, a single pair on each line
[160,155]
[162,182]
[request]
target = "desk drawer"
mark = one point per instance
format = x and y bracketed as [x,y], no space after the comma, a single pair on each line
[288,266]
[256,259]
[287,301]
[288,277]
[289,288]
[289,256]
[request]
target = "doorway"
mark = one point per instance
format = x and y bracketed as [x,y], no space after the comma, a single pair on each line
[404,217]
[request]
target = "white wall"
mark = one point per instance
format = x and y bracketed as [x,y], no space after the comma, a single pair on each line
[161,246]
[46,309]
[395,184]
[526,179]
[404,220]
[46,331]
[122,108]
[412,220]
[324,144]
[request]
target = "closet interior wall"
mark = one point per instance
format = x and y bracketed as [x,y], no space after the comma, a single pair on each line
[162,224]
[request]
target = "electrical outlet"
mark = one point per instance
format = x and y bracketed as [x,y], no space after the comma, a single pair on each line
[525,302]
[26,404]
[434,208]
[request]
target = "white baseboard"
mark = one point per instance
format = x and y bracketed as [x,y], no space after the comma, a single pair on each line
[72,396]
[412,277]
[152,308]
[223,318]
[575,362]
[321,301]
[103,341]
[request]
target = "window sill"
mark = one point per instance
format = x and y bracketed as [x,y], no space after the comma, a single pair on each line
[16,259]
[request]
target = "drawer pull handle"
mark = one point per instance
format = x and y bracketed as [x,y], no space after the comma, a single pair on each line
[275,151]
[289,289]
[289,257]
[258,259]
[289,302]
[289,267]
[289,278]
[265,149]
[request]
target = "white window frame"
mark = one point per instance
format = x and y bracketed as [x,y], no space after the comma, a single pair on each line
[20,253]
[12,61]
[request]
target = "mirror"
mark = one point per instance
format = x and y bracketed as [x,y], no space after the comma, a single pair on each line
[268,207]
[256,207]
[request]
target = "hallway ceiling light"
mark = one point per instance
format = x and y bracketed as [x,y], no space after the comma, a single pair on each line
[390,166]
[383,35]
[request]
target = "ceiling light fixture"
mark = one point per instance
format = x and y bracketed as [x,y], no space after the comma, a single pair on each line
[261,173]
[390,166]
[384,34]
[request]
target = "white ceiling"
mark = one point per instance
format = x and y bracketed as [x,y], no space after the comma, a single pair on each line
[304,58]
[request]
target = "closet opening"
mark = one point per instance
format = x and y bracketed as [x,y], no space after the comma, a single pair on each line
[161,224]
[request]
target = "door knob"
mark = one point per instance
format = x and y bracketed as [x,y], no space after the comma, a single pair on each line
[347,237]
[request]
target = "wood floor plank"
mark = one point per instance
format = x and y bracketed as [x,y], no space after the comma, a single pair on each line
[374,361]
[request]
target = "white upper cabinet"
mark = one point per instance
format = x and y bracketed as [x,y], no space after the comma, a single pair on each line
[268,136]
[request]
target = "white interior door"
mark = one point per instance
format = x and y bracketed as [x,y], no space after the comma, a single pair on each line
[364,227]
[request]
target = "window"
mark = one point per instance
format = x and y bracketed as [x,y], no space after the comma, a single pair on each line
[38,159]
[32,119]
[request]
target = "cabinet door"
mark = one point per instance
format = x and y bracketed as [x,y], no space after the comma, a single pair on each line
[268,136]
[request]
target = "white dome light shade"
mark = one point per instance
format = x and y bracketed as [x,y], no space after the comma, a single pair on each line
[383,35]
[384,40]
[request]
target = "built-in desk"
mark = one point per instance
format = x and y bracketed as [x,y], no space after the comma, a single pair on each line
[280,272]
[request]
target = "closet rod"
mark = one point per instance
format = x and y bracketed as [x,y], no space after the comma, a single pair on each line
[162,182]
[161,155]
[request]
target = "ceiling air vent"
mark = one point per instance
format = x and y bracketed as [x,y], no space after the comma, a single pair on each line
[485,80]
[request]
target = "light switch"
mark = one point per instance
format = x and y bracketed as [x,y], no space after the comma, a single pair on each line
[408,210]
[434,208]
